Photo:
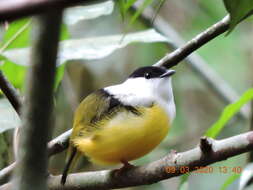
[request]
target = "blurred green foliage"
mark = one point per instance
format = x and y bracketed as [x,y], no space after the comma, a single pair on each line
[184,184]
[18,35]
[3,150]
[124,6]
[229,112]
[238,9]
[229,181]
[145,4]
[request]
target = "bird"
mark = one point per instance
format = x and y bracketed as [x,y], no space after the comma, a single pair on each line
[123,122]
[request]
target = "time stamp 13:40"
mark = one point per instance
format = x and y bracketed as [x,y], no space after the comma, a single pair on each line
[204,169]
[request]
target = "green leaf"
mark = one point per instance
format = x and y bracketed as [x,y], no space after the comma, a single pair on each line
[184,182]
[14,73]
[228,113]
[238,9]
[140,10]
[64,33]
[124,6]
[229,181]
[121,4]
[17,35]
[128,4]
[59,75]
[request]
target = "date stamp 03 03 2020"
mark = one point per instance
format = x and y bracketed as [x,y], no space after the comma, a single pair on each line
[204,169]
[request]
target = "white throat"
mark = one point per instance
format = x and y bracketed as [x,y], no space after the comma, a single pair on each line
[143,92]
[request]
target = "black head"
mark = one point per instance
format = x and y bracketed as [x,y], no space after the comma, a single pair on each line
[150,72]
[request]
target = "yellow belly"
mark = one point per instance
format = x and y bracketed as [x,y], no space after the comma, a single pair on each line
[126,136]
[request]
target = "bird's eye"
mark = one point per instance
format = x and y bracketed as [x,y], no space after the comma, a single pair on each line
[147,75]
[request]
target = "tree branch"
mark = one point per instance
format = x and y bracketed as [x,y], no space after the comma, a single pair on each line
[156,171]
[35,132]
[59,144]
[165,168]
[10,92]
[181,53]
[201,39]
[13,9]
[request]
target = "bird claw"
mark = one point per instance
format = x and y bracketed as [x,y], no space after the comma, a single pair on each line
[126,166]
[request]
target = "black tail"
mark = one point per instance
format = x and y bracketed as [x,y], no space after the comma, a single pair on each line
[66,169]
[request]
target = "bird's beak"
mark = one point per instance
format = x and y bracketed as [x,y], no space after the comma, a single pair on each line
[168,74]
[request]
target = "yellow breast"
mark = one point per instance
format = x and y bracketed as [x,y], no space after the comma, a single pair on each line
[126,136]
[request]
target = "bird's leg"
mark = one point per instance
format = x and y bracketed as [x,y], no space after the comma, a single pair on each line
[126,166]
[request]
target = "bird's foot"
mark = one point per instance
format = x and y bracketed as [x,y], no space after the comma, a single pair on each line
[126,166]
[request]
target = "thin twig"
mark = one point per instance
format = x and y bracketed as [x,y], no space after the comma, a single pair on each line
[10,92]
[181,53]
